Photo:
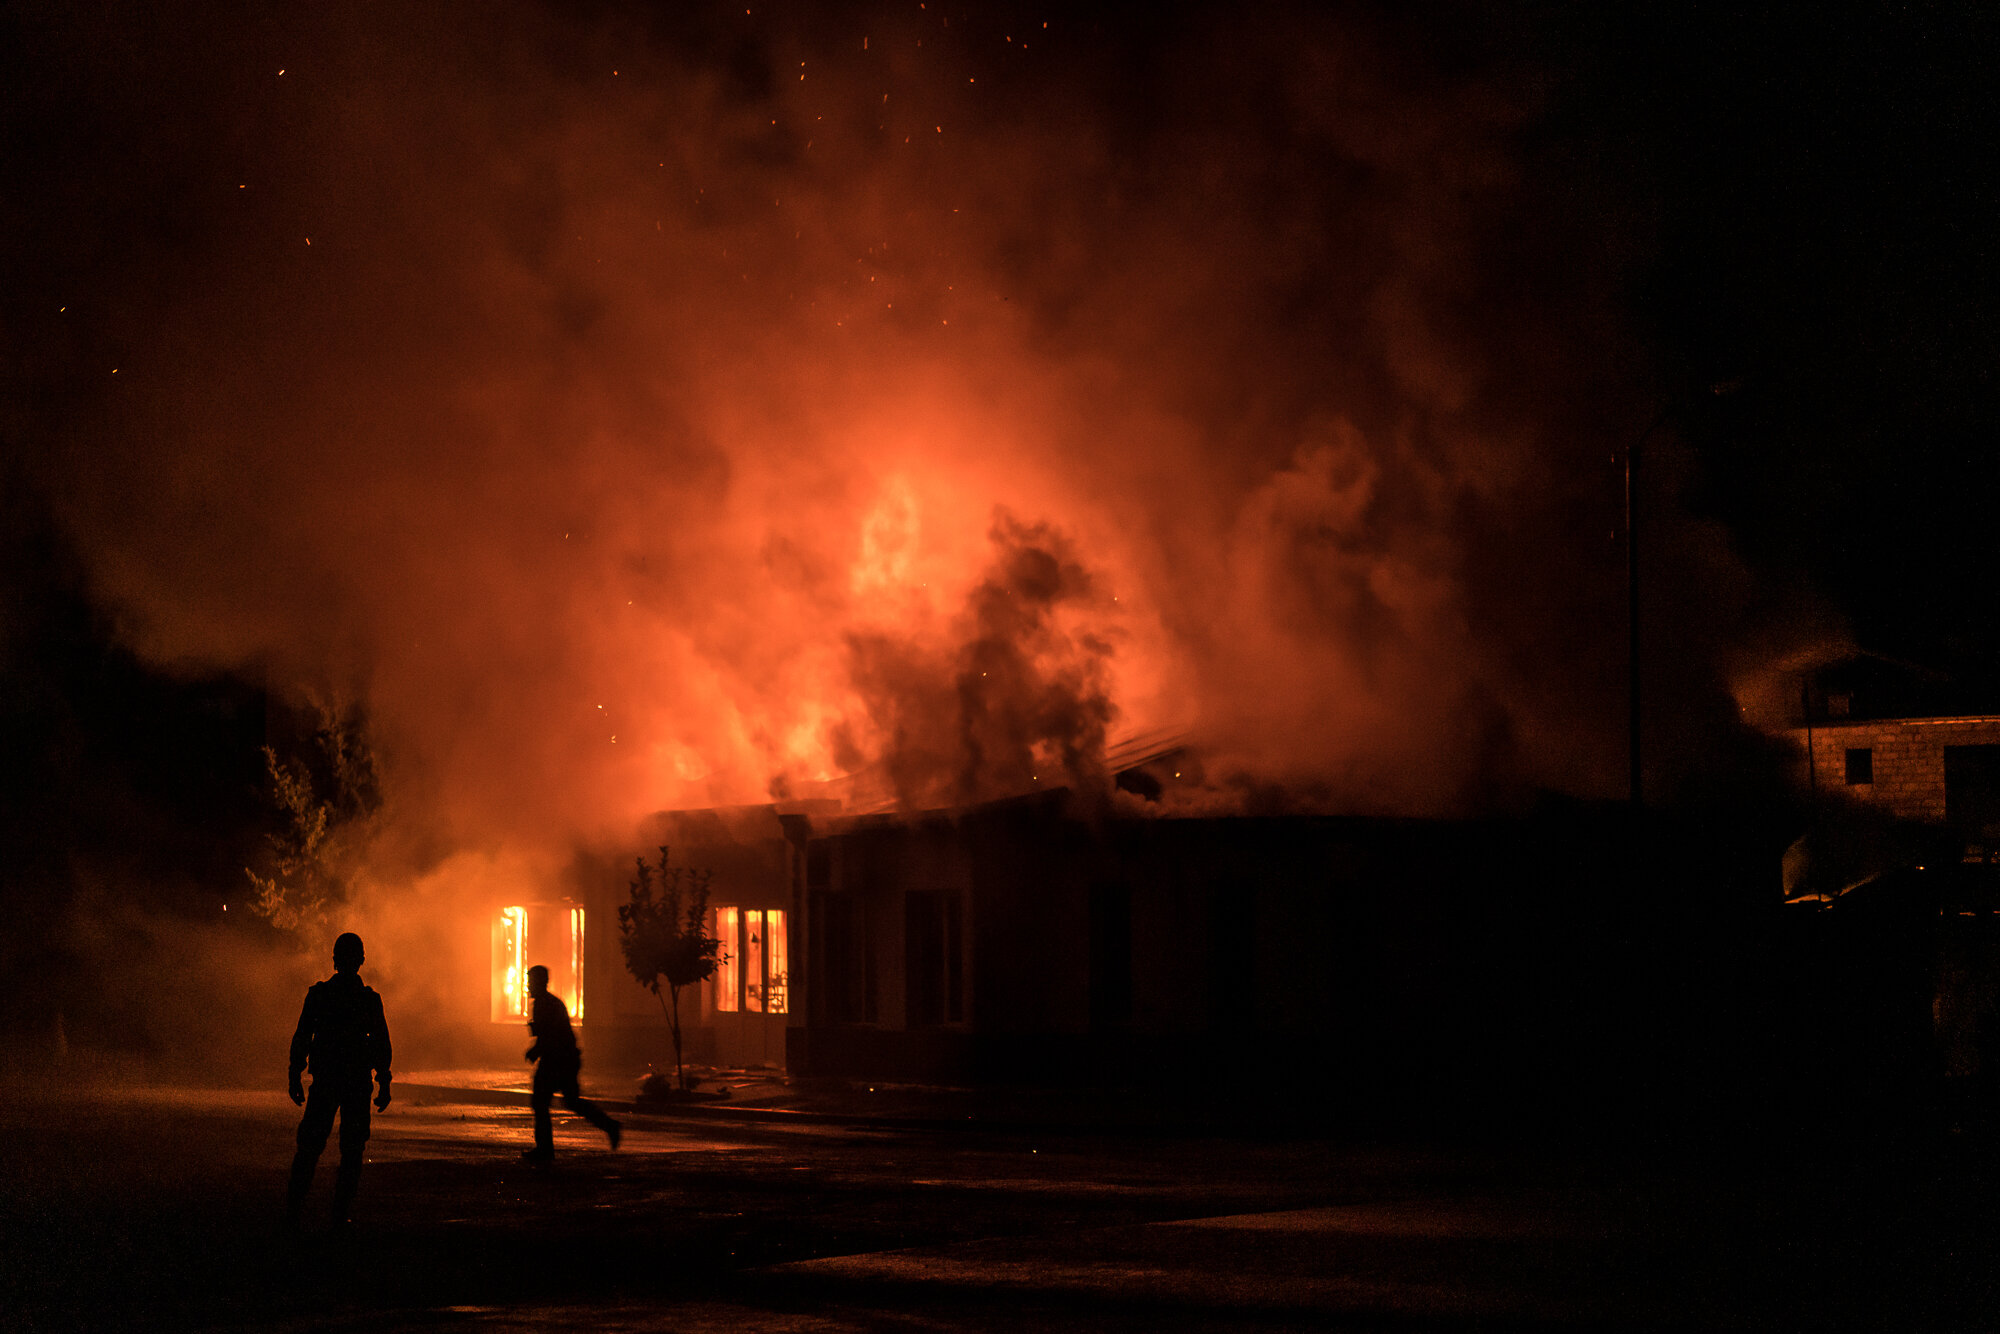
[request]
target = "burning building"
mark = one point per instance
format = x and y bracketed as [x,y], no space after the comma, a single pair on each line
[692,411]
[1456,969]
[737,1018]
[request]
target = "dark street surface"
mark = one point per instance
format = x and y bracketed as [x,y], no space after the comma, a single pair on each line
[155,1207]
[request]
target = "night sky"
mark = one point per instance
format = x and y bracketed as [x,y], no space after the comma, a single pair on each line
[1825,233]
[1399,285]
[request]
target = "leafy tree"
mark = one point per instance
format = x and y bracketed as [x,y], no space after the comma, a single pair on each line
[324,801]
[664,933]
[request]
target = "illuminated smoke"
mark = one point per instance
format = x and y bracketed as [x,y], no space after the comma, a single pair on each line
[632,430]
[1020,699]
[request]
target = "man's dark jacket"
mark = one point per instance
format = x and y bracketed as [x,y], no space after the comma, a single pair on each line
[341,1034]
[555,1041]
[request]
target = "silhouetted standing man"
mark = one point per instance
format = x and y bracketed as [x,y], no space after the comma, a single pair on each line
[558,1062]
[344,1039]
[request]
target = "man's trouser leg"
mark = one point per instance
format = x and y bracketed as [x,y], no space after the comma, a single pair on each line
[314,1127]
[574,1100]
[544,1094]
[354,1125]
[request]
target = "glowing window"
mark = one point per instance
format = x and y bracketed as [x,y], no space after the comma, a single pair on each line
[510,969]
[726,975]
[753,961]
[777,964]
[576,964]
[557,934]
[754,974]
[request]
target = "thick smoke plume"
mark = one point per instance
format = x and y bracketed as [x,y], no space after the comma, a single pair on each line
[651,412]
[1021,698]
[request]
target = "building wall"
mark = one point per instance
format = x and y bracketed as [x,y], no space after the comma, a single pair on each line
[1415,963]
[1906,756]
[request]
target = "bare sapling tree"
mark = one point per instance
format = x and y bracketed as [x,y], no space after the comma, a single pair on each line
[664,933]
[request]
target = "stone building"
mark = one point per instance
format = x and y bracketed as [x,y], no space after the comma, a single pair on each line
[1899,739]
[1933,770]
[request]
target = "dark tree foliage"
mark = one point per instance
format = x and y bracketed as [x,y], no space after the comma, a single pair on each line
[128,794]
[664,933]
[324,802]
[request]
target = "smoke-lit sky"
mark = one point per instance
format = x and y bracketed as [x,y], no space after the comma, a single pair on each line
[647,408]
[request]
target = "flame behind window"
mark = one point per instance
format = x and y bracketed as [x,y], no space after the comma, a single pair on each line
[576,964]
[564,958]
[726,974]
[510,969]
[753,974]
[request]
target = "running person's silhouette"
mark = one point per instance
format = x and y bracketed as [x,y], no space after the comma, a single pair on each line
[558,1062]
[343,1039]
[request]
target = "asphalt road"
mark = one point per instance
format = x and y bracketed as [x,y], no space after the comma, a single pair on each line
[160,1208]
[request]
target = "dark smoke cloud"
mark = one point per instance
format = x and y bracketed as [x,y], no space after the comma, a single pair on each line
[621,404]
[1022,699]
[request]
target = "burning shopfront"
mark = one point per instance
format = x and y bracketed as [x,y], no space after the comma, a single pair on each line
[739,1016]
[1480,968]
[687,437]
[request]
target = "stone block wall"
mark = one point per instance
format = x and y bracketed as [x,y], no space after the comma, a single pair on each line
[1908,759]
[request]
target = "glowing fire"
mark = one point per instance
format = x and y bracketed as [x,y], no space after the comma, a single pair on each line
[576,964]
[510,980]
[561,923]
[754,973]
[723,442]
